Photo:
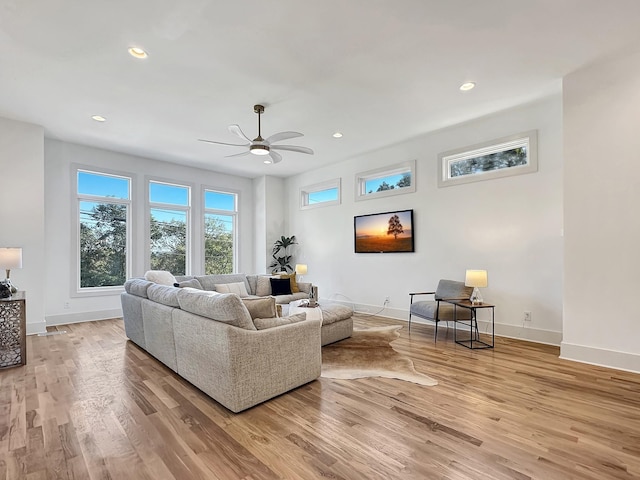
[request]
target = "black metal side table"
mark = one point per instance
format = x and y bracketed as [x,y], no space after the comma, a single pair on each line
[13,330]
[474,340]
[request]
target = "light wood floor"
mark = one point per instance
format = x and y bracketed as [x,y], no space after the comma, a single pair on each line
[90,404]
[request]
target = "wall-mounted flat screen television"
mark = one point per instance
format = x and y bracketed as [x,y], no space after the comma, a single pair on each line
[388,232]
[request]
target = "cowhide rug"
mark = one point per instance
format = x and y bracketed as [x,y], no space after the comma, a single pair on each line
[368,353]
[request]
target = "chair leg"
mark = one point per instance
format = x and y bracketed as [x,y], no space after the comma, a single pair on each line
[409,322]
[435,336]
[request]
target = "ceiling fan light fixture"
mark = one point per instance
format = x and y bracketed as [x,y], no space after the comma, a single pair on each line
[259,149]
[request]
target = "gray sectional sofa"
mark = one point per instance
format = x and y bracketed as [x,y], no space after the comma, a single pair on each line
[211,339]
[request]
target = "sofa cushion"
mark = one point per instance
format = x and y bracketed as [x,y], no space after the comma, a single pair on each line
[333,313]
[164,294]
[192,283]
[285,299]
[239,288]
[137,286]
[263,285]
[223,307]
[292,280]
[261,307]
[161,277]
[263,323]
[208,282]
[280,286]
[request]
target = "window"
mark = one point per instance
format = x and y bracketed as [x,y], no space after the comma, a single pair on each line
[169,227]
[382,182]
[321,194]
[513,155]
[103,212]
[220,216]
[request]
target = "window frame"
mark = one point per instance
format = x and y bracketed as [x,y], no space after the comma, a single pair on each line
[383,172]
[214,211]
[76,290]
[149,205]
[320,187]
[447,159]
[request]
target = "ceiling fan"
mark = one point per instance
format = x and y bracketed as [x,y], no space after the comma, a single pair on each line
[261,146]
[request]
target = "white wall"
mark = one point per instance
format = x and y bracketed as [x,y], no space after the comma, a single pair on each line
[602,232]
[510,227]
[269,216]
[59,158]
[22,211]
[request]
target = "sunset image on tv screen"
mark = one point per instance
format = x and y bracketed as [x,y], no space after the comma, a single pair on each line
[384,232]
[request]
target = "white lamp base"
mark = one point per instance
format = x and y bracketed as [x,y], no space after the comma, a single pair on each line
[475,297]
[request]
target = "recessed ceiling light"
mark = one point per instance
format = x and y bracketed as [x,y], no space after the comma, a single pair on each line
[137,52]
[337,135]
[467,86]
[99,118]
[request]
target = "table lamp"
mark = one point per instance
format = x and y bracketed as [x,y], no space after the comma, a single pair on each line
[301,269]
[10,258]
[476,279]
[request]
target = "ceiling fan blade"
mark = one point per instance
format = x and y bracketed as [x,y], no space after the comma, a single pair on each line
[275,156]
[276,137]
[236,130]
[238,154]
[292,148]
[223,143]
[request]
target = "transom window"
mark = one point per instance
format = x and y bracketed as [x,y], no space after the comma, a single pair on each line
[220,217]
[513,155]
[321,194]
[103,212]
[392,180]
[169,211]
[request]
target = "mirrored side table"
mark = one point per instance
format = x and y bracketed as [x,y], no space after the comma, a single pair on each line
[13,330]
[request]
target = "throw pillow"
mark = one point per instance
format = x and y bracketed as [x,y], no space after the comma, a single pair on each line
[193,283]
[161,277]
[262,323]
[292,279]
[264,307]
[239,288]
[280,286]
[263,286]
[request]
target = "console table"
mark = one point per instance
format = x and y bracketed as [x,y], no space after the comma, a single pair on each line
[13,331]
[472,342]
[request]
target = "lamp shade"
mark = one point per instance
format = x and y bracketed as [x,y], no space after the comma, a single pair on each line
[10,258]
[476,278]
[301,269]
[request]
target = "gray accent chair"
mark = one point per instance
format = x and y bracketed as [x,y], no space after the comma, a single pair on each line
[438,309]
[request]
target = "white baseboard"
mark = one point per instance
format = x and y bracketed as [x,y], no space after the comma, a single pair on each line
[537,335]
[66,318]
[36,327]
[629,362]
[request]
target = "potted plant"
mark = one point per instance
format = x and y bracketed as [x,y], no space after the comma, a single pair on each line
[282,262]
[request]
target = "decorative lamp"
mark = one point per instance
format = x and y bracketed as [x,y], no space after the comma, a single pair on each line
[10,258]
[301,269]
[476,279]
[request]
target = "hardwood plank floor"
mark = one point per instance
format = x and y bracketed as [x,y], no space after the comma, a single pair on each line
[90,404]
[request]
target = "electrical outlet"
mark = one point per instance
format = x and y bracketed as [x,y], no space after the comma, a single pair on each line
[527,316]
[66,305]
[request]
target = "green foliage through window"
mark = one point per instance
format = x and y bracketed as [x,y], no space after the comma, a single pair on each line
[493,161]
[103,212]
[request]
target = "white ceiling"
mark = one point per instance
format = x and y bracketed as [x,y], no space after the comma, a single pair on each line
[380,71]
